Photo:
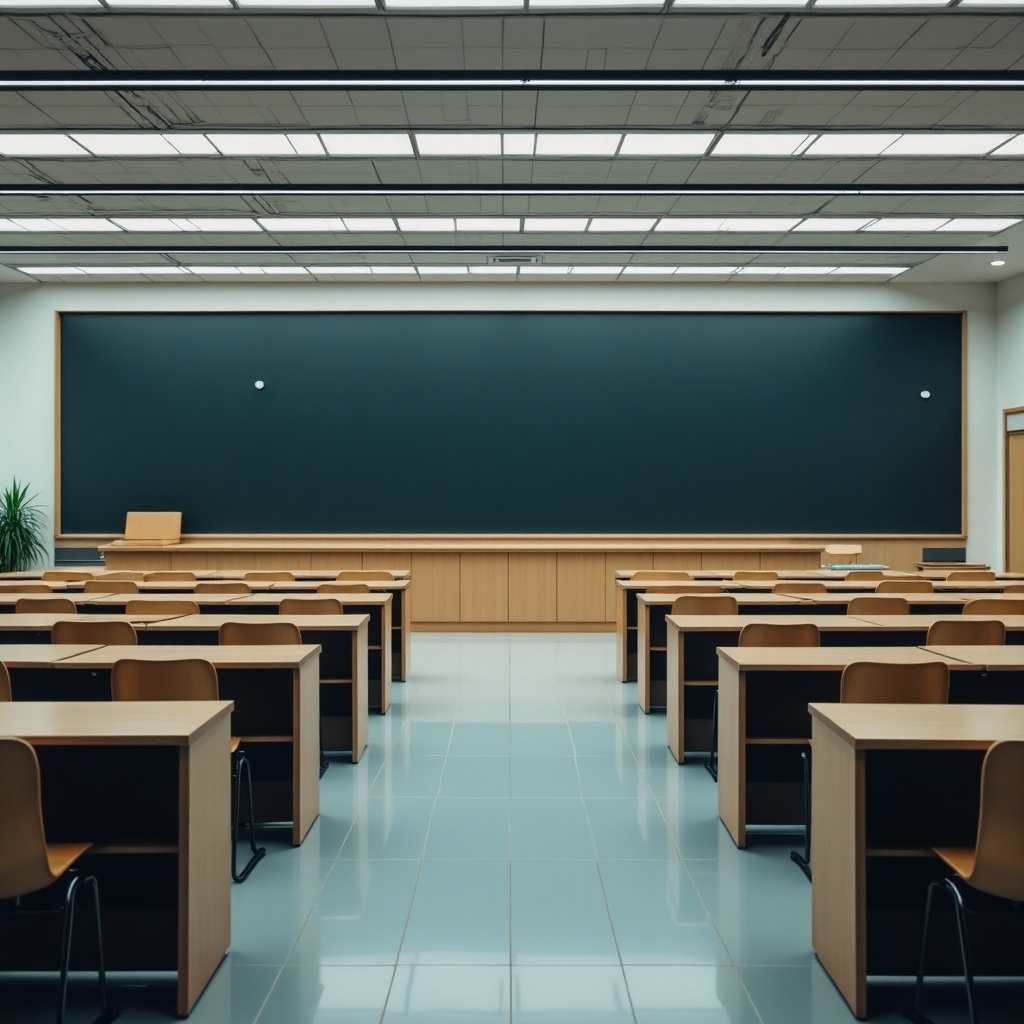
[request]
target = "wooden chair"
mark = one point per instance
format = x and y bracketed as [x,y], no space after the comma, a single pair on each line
[969,575]
[969,631]
[667,587]
[847,551]
[364,574]
[170,606]
[994,866]
[124,574]
[107,586]
[994,606]
[170,576]
[656,574]
[343,588]
[269,574]
[872,682]
[67,575]
[755,574]
[34,605]
[905,586]
[5,684]
[25,588]
[871,605]
[310,606]
[28,863]
[705,604]
[762,634]
[790,587]
[226,587]
[191,679]
[86,629]
[860,575]
[243,632]
[1013,588]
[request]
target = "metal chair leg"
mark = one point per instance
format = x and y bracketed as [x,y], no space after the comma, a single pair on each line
[324,764]
[711,764]
[803,860]
[107,1012]
[240,766]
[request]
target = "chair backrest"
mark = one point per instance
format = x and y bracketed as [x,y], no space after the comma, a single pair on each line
[25,588]
[755,574]
[170,576]
[225,587]
[310,606]
[961,631]
[1013,588]
[789,587]
[969,575]
[780,634]
[269,574]
[871,605]
[364,574]
[857,575]
[844,549]
[657,574]
[992,606]
[170,606]
[873,682]
[243,632]
[905,586]
[32,605]
[666,587]
[24,867]
[5,683]
[705,604]
[343,588]
[86,630]
[998,865]
[174,679]
[68,575]
[124,574]
[108,586]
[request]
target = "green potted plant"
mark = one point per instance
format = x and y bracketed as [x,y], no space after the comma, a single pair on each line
[21,527]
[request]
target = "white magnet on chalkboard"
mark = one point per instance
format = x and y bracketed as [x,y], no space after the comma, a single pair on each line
[259,385]
[924,394]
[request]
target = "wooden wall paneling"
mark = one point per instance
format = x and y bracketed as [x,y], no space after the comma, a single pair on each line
[612,563]
[532,587]
[582,587]
[782,560]
[335,560]
[435,598]
[385,560]
[483,587]
[683,560]
[1014,501]
[730,560]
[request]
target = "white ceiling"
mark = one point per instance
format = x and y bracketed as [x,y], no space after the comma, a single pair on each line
[853,45]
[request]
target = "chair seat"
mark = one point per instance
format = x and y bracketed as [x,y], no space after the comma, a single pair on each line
[960,859]
[60,856]
[236,742]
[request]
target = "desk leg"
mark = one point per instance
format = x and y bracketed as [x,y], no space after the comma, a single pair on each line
[838,896]
[732,751]
[360,692]
[305,748]
[386,660]
[204,859]
[674,696]
[643,658]
[622,668]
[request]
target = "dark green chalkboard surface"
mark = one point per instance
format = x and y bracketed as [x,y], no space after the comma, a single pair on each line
[513,422]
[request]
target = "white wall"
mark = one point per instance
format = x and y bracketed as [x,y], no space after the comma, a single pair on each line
[27,366]
[1010,358]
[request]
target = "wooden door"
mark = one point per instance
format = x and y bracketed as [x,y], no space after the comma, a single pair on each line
[1013,491]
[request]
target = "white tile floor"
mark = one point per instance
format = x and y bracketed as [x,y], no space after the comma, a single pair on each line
[517,846]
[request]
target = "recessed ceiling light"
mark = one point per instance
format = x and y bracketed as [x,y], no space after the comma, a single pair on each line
[583,144]
[191,143]
[493,271]
[555,224]
[148,223]
[649,271]
[760,144]
[458,144]
[998,263]
[989,225]
[529,271]
[284,270]
[125,144]
[518,143]
[327,271]
[251,144]
[577,5]
[665,143]
[426,223]
[807,271]
[436,270]
[43,271]
[945,144]
[367,143]
[833,224]
[39,145]
[596,270]
[282,224]
[9,225]
[370,224]
[487,223]
[306,143]
[1015,147]
[49,3]
[907,225]
[182,4]
[840,144]
[452,5]
[66,223]
[224,224]
[887,4]
[622,223]
[713,225]
[299,4]
[870,271]
[208,271]
[392,271]
[705,271]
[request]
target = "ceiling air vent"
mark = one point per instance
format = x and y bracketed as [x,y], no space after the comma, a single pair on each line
[516,260]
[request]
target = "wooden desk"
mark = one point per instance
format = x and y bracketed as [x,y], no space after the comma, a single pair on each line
[944,604]
[652,639]
[115,604]
[763,693]
[335,665]
[149,784]
[890,782]
[344,679]
[275,691]
[991,658]
[9,601]
[36,627]
[36,655]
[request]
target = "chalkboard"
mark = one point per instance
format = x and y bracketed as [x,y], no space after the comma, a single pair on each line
[454,422]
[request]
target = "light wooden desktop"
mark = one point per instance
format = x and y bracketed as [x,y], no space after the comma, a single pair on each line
[149,785]
[891,782]
[763,693]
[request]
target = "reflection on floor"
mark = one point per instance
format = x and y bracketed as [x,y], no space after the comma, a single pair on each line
[517,845]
